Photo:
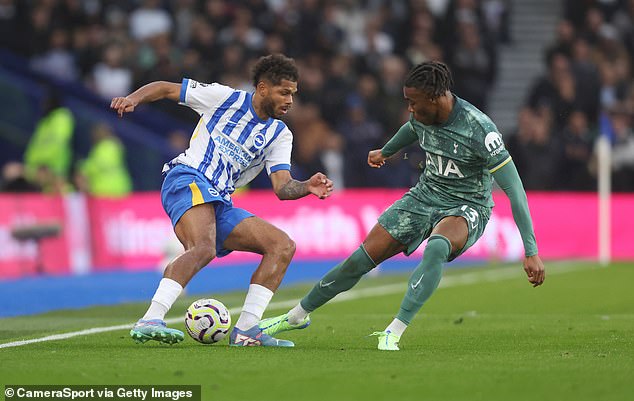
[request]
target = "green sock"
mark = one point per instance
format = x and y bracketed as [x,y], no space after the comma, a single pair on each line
[339,279]
[425,278]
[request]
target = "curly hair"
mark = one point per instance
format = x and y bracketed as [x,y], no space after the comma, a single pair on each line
[274,68]
[432,77]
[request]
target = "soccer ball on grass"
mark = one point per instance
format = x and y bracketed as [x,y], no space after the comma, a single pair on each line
[207,321]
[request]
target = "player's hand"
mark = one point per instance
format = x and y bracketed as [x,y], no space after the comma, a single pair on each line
[320,185]
[123,105]
[534,269]
[376,158]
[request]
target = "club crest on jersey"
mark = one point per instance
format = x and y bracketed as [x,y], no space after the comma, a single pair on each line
[259,140]
[493,143]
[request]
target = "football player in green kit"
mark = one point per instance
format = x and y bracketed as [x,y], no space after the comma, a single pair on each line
[450,205]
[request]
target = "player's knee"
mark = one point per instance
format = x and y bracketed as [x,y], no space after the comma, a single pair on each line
[205,252]
[287,249]
[209,254]
[437,249]
[283,247]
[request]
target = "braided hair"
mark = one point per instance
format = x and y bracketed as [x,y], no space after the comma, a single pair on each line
[275,68]
[432,77]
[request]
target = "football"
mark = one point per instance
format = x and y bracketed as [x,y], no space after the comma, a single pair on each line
[207,321]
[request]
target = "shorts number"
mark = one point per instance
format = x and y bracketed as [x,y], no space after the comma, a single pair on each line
[471,214]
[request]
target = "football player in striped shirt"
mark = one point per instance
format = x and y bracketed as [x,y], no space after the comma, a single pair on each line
[237,136]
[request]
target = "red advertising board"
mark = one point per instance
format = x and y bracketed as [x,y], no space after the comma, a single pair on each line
[23,216]
[134,233]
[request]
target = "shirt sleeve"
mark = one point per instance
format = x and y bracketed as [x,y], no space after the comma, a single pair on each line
[509,180]
[278,156]
[491,146]
[404,136]
[200,96]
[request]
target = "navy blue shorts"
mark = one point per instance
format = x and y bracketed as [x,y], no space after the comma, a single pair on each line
[185,187]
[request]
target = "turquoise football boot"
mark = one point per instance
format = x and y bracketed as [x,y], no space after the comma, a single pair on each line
[155,329]
[278,324]
[255,337]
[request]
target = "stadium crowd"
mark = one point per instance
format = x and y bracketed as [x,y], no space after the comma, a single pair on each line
[353,56]
[586,91]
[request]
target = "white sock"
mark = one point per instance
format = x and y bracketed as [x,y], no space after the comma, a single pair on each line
[255,303]
[163,299]
[396,327]
[297,314]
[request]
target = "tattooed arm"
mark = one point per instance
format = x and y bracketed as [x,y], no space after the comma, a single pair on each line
[287,188]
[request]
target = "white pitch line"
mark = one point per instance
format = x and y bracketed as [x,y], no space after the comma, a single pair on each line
[498,274]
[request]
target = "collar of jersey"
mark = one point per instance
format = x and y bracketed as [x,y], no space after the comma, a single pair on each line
[255,115]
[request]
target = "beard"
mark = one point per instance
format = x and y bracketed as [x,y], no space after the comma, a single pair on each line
[269,107]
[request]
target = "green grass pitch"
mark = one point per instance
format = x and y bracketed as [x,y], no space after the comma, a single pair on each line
[486,334]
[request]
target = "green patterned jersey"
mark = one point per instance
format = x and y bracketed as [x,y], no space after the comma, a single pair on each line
[461,154]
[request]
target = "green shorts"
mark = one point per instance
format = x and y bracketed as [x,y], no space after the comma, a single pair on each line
[410,221]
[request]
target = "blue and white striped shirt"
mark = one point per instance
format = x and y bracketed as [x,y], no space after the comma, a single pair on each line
[231,144]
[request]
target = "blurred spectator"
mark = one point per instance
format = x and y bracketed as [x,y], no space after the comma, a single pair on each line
[313,81]
[162,60]
[57,61]
[497,15]
[336,89]
[613,89]
[577,142]
[14,179]
[373,42]
[393,71]
[329,35]
[9,24]
[361,133]
[313,141]
[564,40]
[368,89]
[624,21]
[242,31]
[622,148]
[587,79]
[33,40]
[110,77]
[517,142]
[49,152]
[535,151]
[232,63]
[465,11]
[88,42]
[184,14]
[149,20]
[422,47]
[51,183]
[556,90]
[202,35]
[217,13]
[592,28]
[104,173]
[473,66]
